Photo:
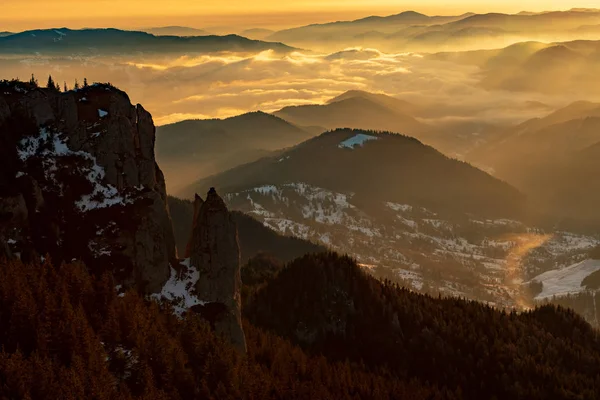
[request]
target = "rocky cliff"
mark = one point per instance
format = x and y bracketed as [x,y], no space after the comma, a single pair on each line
[79,180]
[215,253]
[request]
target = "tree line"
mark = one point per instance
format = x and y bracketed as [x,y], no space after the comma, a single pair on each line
[53,85]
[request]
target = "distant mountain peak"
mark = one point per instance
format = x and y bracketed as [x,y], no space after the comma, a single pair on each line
[255,114]
[411,13]
[349,94]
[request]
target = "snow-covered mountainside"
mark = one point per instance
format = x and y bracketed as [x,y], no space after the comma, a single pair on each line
[485,259]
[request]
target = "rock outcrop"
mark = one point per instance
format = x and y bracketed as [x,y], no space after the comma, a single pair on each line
[79,180]
[198,202]
[215,253]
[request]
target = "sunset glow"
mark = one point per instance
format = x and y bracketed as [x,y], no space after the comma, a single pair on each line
[29,14]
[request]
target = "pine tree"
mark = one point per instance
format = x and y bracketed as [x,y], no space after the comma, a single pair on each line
[76,86]
[50,84]
[33,81]
[66,89]
[85,82]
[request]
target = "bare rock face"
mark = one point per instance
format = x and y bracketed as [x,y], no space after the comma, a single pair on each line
[198,202]
[214,251]
[78,179]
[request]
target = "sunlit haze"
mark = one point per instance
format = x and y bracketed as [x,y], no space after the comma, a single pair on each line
[28,14]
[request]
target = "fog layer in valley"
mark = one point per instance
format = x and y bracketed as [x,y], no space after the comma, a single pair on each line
[225,84]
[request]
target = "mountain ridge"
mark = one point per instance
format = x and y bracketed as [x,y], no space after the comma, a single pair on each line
[411,31]
[191,149]
[292,165]
[110,40]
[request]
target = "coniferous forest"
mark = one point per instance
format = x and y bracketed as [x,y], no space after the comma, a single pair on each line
[319,328]
[67,335]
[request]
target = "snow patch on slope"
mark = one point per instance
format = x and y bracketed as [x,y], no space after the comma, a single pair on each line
[561,282]
[356,140]
[49,147]
[567,241]
[399,207]
[180,288]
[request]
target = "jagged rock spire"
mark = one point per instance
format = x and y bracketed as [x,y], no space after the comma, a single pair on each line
[215,252]
[197,205]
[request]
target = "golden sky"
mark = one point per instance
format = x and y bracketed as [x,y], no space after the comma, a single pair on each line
[28,14]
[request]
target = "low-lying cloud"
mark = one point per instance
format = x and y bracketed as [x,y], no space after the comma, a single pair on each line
[225,84]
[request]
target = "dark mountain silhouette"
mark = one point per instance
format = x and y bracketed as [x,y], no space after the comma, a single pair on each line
[115,41]
[176,31]
[193,149]
[385,167]
[330,306]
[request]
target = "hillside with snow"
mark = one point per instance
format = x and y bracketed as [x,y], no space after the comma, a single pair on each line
[406,212]
[484,259]
[378,167]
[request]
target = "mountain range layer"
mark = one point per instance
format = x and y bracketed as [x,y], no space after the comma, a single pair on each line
[110,41]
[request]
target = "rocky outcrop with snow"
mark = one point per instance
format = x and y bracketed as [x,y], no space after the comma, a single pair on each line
[79,180]
[215,254]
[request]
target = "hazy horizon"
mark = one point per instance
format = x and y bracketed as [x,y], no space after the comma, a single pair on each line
[238,15]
